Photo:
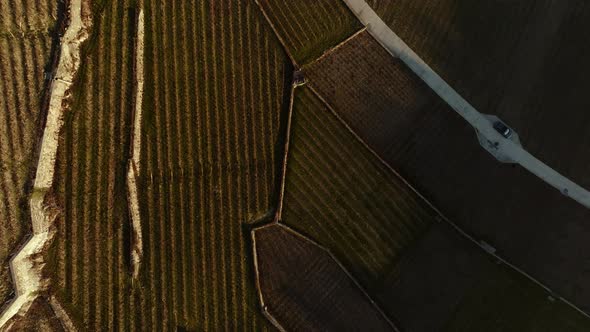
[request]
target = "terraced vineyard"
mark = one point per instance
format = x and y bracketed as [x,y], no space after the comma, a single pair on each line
[218,85]
[344,197]
[90,262]
[310,27]
[213,145]
[25,43]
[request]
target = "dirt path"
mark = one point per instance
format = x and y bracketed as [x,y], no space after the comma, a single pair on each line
[27,264]
[504,147]
[134,163]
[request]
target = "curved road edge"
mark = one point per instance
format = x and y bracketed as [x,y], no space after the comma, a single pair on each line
[399,49]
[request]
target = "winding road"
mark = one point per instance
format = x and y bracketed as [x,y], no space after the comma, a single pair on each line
[505,148]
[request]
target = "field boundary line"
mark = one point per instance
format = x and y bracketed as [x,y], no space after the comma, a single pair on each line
[26,266]
[134,165]
[439,213]
[279,213]
[62,315]
[331,50]
[277,34]
[323,248]
[263,306]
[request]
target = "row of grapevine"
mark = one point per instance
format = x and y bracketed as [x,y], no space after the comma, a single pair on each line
[215,97]
[308,28]
[89,265]
[24,17]
[25,45]
[341,195]
[303,287]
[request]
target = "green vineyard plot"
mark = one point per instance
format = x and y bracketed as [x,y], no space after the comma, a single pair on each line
[212,122]
[310,27]
[263,165]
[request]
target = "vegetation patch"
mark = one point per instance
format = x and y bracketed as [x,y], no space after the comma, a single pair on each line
[308,28]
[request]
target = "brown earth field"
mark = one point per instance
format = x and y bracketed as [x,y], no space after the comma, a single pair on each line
[25,44]
[215,103]
[304,289]
[341,195]
[531,224]
[524,61]
[307,28]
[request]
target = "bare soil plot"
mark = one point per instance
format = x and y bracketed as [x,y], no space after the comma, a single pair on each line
[530,223]
[310,27]
[522,60]
[304,288]
[25,43]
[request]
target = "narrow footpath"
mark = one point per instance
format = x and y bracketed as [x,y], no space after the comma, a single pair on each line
[26,266]
[133,171]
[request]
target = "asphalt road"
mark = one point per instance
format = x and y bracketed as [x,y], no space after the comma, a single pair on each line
[506,147]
